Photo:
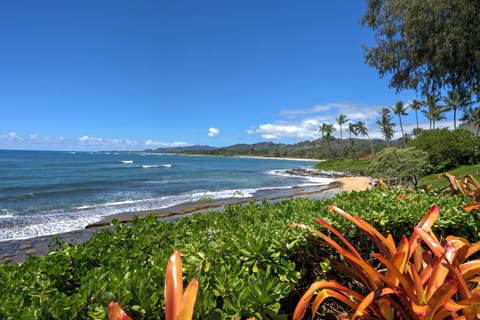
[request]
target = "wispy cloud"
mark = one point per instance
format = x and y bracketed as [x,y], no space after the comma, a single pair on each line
[37,142]
[213,132]
[9,137]
[162,144]
[304,123]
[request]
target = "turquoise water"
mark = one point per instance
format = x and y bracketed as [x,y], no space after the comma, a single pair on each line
[43,192]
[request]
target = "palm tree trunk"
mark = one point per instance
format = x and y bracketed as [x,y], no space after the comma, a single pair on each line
[454,119]
[416,116]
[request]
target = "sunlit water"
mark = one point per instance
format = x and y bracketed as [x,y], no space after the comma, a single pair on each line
[43,193]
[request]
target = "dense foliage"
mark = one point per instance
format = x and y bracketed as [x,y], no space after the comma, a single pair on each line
[446,149]
[324,148]
[426,44]
[247,259]
[400,165]
[421,278]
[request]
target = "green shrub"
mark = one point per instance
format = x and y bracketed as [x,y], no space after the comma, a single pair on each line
[247,259]
[447,149]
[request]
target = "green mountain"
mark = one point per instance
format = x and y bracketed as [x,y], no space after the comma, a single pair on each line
[317,149]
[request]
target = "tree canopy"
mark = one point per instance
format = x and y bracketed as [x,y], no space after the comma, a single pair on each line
[446,149]
[400,165]
[426,45]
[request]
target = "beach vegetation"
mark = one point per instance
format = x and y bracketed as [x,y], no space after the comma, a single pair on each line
[420,277]
[434,112]
[246,258]
[426,45]
[447,149]
[400,109]
[386,125]
[455,101]
[341,120]
[439,183]
[400,166]
[327,130]
[347,166]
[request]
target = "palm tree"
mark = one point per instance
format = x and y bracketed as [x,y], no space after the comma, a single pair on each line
[455,101]
[434,111]
[386,125]
[352,128]
[400,110]
[437,115]
[415,105]
[363,131]
[327,130]
[341,120]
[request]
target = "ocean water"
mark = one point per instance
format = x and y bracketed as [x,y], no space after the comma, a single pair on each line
[52,192]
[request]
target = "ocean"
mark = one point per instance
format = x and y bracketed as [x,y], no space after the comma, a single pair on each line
[52,192]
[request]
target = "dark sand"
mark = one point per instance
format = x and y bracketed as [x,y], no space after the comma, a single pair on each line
[17,251]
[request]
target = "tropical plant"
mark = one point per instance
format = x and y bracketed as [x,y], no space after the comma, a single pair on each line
[434,111]
[447,149]
[363,131]
[247,260]
[386,125]
[352,129]
[468,185]
[412,283]
[400,110]
[178,305]
[425,45]
[415,105]
[400,165]
[454,101]
[327,129]
[341,120]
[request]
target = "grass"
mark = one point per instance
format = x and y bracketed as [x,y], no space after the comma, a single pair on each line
[461,171]
[355,166]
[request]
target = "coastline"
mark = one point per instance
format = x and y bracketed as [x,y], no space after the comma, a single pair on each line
[17,251]
[252,157]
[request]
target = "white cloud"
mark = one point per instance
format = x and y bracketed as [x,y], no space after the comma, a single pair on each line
[37,142]
[213,132]
[308,120]
[313,109]
[305,130]
[160,144]
[10,137]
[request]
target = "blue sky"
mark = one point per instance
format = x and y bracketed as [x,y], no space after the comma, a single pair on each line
[130,75]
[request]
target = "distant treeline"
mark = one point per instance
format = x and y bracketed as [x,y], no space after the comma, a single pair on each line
[318,149]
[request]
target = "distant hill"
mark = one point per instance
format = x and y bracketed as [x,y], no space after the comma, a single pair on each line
[199,148]
[317,149]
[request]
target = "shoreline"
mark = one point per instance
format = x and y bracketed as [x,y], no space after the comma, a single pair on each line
[252,157]
[17,251]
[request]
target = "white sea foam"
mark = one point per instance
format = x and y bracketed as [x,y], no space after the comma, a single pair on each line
[312,180]
[57,222]
[146,166]
[126,161]
[33,226]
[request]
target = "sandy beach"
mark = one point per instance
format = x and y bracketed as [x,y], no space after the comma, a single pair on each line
[16,251]
[354,183]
